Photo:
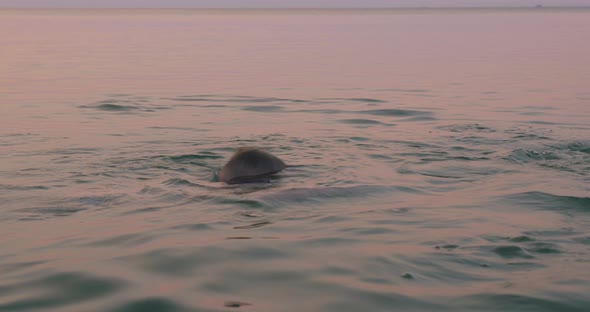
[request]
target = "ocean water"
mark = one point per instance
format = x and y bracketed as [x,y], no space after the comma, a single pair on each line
[439,160]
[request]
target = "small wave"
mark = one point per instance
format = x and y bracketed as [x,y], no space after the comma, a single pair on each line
[528,133]
[550,201]
[151,304]
[571,157]
[530,136]
[512,251]
[180,182]
[190,157]
[100,200]
[235,304]
[180,129]
[524,155]
[298,195]
[180,262]
[582,147]
[419,118]
[58,291]
[40,213]
[482,140]
[582,240]
[253,225]
[22,187]
[516,302]
[73,151]
[405,90]
[194,227]
[395,112]
[526,246]
[362,100]
[126,240]
[463,173]
[111,107]
[264,109]
[246,203]
[190,99]
[369,100]
[321,111]
[124,105]
[467,128]
[543,248]
[521,239]
[23,135]
[232,99]
[17,267]
[359,121]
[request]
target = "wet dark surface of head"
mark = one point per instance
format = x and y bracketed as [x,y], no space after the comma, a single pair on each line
[250,164]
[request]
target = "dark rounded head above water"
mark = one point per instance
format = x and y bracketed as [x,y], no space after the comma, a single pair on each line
[250,164]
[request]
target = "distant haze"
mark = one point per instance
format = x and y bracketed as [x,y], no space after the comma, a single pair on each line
[281,3]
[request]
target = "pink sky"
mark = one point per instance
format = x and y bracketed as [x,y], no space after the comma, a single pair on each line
[285,3]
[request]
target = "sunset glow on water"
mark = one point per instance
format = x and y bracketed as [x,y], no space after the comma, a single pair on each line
[439,160]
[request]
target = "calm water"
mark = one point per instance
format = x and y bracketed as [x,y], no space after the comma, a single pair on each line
[440,160]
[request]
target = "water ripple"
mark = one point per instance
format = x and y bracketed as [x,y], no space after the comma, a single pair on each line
[57,291]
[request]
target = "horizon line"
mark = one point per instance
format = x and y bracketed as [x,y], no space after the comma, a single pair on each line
[320,8]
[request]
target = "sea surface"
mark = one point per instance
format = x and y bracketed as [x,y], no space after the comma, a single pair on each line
[439,160]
